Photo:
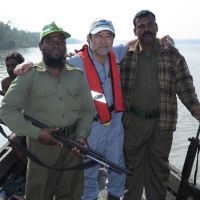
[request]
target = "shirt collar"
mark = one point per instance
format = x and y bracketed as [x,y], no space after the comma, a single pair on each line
[43,67]
[137,48]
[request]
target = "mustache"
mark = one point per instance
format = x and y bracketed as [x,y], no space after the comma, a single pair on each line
[147,33]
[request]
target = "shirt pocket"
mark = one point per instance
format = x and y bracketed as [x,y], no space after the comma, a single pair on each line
[44,97]
[74,99]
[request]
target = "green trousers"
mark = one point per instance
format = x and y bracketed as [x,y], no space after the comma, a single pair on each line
[46,184]
[146,152]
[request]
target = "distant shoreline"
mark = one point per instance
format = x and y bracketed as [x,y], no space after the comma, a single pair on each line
[191,41]
[177,41]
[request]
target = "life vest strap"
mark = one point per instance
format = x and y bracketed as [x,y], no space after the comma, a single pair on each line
[110,108]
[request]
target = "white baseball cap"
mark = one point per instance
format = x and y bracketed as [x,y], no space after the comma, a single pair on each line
[101,25]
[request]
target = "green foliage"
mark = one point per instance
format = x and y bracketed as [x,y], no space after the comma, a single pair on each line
[14,38]
[11,38]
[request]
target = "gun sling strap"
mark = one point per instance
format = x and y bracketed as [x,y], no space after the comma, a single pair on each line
[60,135]
[35,159]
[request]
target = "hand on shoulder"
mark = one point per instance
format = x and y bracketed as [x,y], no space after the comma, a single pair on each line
[22,68]
[167,41]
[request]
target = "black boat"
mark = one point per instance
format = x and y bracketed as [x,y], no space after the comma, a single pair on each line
[11,168]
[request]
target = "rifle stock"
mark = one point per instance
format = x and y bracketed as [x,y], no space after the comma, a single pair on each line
[88,152]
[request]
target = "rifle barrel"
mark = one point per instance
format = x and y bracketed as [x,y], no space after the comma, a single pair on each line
[89,152]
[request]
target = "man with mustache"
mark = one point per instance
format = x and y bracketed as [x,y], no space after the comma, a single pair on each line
[57,95]
[151,76]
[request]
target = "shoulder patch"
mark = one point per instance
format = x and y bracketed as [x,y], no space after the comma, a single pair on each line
[37,64]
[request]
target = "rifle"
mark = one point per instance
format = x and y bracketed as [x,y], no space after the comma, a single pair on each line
[186,188]
[87,151]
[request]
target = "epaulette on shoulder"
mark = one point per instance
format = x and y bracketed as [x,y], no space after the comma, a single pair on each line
[37,64]
[72,67]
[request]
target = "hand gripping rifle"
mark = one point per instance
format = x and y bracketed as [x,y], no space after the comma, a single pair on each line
[87,151]
[186,188]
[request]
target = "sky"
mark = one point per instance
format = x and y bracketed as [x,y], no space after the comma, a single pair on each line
[178,18]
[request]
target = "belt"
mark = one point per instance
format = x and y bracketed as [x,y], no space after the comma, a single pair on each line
[68,130]
[145,115]
[110,108]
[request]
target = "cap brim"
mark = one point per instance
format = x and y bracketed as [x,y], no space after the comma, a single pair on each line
[66,34]
[98,29]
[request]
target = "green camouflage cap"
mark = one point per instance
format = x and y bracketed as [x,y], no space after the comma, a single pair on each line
[52,28]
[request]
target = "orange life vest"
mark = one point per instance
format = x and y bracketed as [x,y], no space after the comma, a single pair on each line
[96,87]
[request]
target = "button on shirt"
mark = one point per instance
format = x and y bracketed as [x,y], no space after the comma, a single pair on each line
[55,101]
[146,88]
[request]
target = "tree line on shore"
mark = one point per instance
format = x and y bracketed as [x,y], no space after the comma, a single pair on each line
[12,38]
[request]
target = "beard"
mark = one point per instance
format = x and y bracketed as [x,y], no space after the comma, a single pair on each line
[52,62]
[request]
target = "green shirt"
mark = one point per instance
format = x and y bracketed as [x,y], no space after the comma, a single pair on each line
[55,101]
[146,88]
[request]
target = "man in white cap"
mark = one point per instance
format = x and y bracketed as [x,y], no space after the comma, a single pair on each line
[106,135]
